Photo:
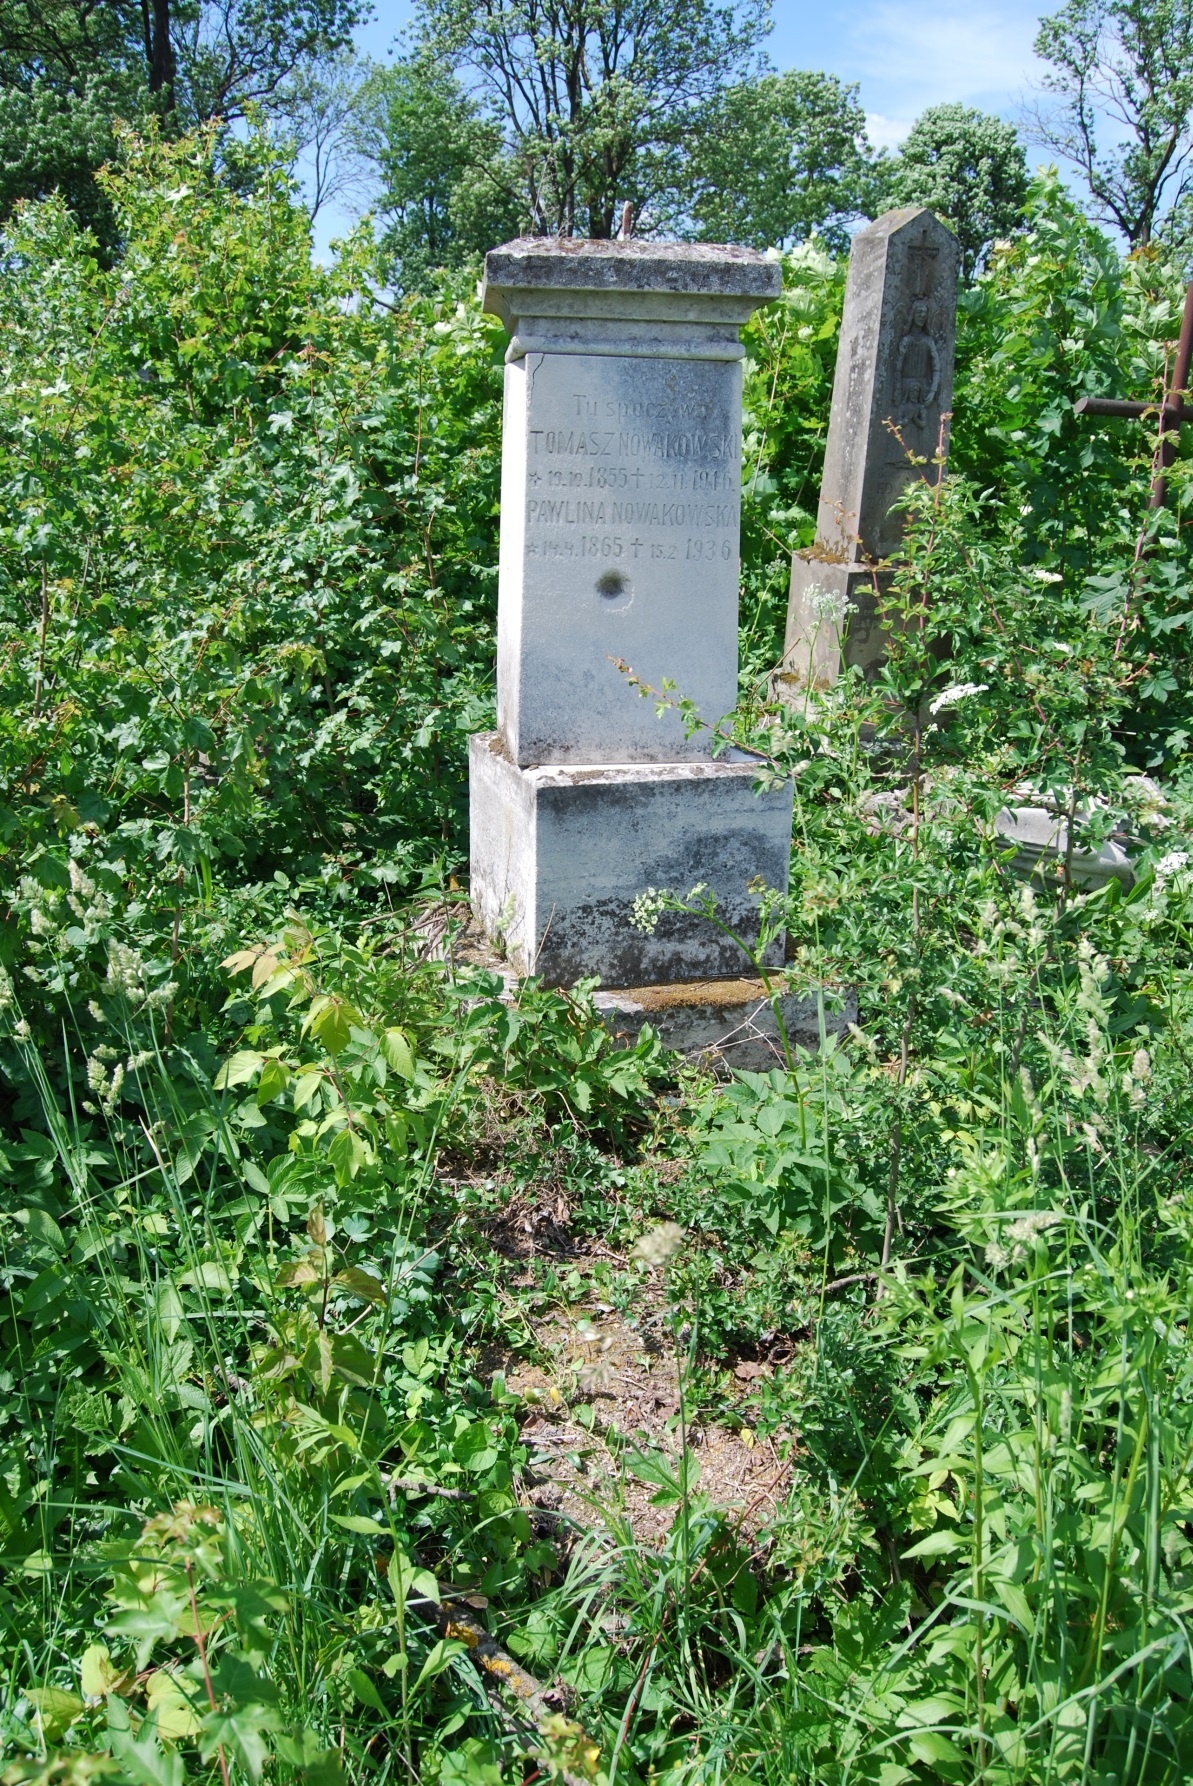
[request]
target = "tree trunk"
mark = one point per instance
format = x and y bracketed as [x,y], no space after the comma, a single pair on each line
[159,50]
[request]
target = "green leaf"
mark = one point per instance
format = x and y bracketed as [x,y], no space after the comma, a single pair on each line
[936,1544]
[362,1284]
[238,1069]
[406,1581]
[56,1710]
[142,1756]
[298,1272]
[99,1675]
[475,1448]
[172,1704]
[41,1226]
[439,1657]
[275,1076]
[240,1731]
[330,1020]
[210,1274]
[936,1750]
[365,1691]
[347,1153]
[352,1361]
[397,1053]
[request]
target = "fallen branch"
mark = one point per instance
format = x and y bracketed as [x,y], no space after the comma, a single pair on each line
[414,1485]
[454,1620]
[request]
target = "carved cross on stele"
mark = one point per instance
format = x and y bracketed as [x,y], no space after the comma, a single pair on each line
[922,255]
[1172,412]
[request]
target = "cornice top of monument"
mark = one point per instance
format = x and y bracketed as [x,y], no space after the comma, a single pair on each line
[573,264]
[891,222]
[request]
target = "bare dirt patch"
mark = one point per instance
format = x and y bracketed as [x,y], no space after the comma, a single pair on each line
[607,1386]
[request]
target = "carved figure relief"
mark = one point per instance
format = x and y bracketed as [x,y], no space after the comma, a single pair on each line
[917,369]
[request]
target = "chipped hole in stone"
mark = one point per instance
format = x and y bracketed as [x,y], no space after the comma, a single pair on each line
[613,585]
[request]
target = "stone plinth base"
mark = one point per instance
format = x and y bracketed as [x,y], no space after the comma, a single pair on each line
[832,613]
[733,1019]
[559,855]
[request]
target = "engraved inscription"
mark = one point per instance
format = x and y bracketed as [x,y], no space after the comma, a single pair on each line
[634,480]
[549,511]
[607,545]
[614,443]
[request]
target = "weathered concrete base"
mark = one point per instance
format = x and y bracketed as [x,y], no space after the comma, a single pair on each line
[832,615]
[1041,837]
[559,855]
[733,1020]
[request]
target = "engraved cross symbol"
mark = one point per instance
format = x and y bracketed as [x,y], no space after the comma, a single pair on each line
[922,255]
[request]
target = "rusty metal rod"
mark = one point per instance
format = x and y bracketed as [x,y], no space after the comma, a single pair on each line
[1174,408]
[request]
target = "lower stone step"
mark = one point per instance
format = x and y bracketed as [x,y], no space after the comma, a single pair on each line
[733,1022]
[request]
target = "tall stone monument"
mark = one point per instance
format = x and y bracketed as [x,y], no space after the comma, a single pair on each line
[892,390]
[620,503]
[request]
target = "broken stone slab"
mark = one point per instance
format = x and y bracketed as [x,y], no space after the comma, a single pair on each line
[733,1021]
[1041,838]
[560,853]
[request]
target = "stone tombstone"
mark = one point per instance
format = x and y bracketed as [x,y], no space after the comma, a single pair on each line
[891,394]
[620,502]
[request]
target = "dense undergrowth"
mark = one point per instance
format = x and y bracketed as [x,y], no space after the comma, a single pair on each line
[261,1144]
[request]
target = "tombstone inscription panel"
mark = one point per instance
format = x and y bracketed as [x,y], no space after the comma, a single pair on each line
[620,540]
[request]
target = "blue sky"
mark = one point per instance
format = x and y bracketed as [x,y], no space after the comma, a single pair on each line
[904,55]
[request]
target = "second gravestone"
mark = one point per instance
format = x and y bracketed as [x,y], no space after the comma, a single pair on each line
[892,391]
[620,504]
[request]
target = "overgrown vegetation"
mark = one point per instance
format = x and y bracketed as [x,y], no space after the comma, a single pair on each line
[313,1244]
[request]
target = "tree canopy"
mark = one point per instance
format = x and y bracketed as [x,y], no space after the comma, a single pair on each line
[968,167]
[779,159]
[70,69]
[445,189]
[1122,73]
[595,100]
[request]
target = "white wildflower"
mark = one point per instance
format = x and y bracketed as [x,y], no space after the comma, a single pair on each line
[1044,576]
[954,695]
[41,923]
[658,1245]
[79,882]
[21,1030]
[126,973]
[829,607]
[1025,1231]
[114,1090]
[1092,1138]
[1136,1078]
[648,909]
[1170,864]
[1035,1222]
[7,990]
[106,1090]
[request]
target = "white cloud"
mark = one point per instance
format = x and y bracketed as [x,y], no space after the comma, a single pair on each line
[886,133]
[922,57]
